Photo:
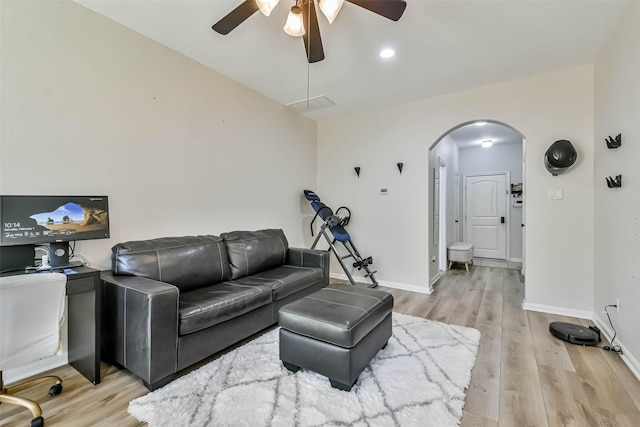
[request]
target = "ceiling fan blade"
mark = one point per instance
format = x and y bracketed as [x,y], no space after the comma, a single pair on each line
[236,17]
[312,39]
[392,9]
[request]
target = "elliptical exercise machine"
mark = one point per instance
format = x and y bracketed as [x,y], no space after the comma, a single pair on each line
[336,226]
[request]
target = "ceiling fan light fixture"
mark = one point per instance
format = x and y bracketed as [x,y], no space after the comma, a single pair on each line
[266,6]
[297,20]
[330,8]
[295,24]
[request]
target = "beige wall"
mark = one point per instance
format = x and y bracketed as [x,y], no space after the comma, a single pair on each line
[617,211]
[90,107]
[395,228]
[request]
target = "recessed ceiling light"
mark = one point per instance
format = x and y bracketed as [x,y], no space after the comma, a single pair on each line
[387,53]
[487,143]
[480,123]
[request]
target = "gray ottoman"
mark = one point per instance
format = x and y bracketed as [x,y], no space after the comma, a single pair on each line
[335,331]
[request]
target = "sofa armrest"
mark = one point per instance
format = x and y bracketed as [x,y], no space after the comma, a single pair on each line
[140,326]
[310,258]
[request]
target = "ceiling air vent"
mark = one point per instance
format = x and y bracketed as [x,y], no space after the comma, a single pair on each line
[312,104]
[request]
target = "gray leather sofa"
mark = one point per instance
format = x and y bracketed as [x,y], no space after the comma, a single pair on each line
[171,302]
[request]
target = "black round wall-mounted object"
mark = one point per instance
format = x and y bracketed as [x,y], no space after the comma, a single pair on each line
[575,334]
[559,157]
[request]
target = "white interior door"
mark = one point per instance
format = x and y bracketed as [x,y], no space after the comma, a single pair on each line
[485,225]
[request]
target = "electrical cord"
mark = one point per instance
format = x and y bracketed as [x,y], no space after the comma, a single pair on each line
[72,254]
[615,348]
[85,261]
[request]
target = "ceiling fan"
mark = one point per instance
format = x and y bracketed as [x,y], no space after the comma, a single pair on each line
[303,20]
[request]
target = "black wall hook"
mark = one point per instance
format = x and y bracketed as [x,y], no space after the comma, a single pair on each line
[614,143]
[614,182]
[400,166]
[357,169]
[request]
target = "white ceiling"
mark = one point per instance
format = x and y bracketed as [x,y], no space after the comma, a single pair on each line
[442,46]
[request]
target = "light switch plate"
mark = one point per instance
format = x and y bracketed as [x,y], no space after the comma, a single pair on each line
[555,194]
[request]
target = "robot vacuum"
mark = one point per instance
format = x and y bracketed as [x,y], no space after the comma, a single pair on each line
[575,334]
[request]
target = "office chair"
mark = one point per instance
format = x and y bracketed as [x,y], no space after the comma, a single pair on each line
[31,313]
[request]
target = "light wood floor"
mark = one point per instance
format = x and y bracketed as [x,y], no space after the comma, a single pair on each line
[523,376]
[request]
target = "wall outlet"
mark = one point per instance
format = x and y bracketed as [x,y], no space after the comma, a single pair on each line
[618,304]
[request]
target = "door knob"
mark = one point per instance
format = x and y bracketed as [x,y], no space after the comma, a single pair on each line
[501,220]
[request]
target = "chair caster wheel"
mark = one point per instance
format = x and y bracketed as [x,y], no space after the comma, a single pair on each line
[37,422]
[55,389]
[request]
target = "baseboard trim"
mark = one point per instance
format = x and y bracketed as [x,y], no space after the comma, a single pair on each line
[515,259]
[562,311]
[626,356]
[434,280]
[388,284]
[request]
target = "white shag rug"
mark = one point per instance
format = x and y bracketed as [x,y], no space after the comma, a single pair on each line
[418,379]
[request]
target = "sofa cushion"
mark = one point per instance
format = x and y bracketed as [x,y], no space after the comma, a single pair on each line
[208,306]
[253,251]
[287,279]
[187,262]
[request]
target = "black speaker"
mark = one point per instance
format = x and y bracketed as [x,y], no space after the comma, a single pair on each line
[59,254]
[16,257]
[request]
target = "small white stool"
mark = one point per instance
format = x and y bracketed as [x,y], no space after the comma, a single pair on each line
[460,252]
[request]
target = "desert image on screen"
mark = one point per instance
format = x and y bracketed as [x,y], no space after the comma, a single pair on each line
[73,218]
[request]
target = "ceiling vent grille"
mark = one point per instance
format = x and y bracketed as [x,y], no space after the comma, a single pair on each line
[312,104]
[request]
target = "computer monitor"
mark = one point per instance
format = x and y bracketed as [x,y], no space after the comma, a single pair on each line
[55,220]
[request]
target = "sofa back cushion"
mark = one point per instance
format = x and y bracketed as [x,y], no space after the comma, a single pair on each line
[188,262]
[254,251]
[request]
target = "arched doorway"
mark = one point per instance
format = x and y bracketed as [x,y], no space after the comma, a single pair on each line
[483,199]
